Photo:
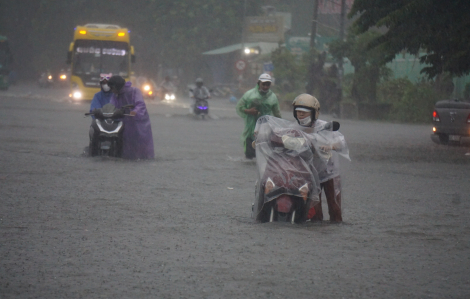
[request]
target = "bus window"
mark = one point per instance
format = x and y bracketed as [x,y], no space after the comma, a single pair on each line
[92,57]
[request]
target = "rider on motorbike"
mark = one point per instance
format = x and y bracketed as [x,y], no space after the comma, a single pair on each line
[167,86]
[306,112]
[295,160]
[199,92]
[100,99]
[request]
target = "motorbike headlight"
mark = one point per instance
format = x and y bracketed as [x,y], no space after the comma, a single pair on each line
[77,95]
[150,93]
[63,77]
[49,77]
[146,87]
[172,97]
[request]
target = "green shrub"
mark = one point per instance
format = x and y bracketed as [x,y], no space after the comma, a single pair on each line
[392,91]
[416,105]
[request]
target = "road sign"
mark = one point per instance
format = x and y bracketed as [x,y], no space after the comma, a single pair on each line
[240,65]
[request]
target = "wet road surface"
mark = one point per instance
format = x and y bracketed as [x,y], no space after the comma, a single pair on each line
[180,226]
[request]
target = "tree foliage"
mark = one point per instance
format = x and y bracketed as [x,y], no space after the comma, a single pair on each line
[439,28]
[367,63]
[164,32]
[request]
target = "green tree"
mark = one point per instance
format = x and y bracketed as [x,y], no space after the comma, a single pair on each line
[440,28]
[166,32]
[288,70]
[368,65]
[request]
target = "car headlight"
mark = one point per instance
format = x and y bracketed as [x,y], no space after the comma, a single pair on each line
[172,97]
[77,95]
[167,96]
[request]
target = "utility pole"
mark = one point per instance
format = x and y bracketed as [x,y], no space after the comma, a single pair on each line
[243,29]
[313,32]
[341,38]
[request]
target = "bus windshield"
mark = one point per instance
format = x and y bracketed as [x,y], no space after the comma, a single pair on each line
[93,57]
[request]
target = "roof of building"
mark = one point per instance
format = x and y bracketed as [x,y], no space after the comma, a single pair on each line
[264,47]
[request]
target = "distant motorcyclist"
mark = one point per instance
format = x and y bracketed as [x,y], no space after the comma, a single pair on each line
[255,103]
[167,86]
[100,99]
[199,92]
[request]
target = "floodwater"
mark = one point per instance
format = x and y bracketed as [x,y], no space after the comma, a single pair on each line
[180,226]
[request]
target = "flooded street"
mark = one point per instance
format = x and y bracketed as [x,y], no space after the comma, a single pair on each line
[180,226]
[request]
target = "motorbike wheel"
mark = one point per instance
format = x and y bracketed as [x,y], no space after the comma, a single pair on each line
[263,209]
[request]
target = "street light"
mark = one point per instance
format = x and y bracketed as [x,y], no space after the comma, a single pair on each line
[249,51]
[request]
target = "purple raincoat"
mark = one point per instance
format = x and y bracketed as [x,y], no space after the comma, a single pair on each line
[137,135]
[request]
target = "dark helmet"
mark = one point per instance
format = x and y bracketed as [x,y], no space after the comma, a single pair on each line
[116,83]
[199,82]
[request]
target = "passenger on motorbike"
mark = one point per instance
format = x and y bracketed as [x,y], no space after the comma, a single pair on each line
[100,99]
[199,92]
[306,112]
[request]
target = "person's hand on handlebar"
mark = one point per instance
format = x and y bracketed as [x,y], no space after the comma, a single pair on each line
[132,113]
[97,113]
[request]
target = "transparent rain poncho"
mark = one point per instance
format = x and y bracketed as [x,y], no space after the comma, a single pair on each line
[293,158]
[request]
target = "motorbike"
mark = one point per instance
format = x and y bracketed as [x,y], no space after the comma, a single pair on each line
[46,79]
[148,91]
[147,87]
[289,159]
[63,79]
[110,126]
[201,107]
[168,95]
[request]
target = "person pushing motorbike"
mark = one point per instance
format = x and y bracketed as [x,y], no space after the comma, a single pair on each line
[137,140]
[253,104]
[306,112]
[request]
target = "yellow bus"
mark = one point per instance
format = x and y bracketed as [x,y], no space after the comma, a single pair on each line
[98,49]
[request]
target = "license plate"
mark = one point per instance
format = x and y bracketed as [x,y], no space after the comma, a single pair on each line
[454,137]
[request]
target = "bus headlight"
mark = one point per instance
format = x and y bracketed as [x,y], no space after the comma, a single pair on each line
[77,95]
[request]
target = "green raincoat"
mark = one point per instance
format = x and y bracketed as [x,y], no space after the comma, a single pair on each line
[266,105]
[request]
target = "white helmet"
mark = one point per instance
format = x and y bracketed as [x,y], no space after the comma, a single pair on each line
[265,78]
[306,102]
